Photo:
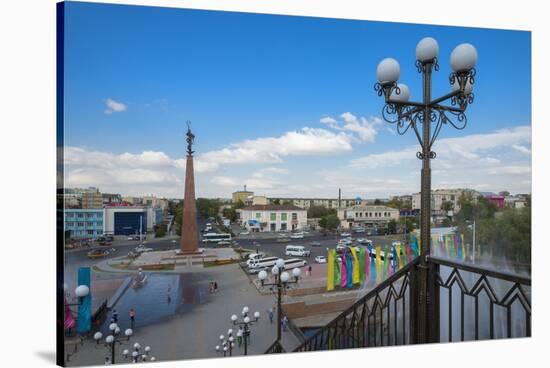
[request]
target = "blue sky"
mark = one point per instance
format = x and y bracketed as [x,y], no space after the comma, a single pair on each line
[256,88]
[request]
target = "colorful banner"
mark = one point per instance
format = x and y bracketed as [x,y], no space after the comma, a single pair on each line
[349,262]
[330,270]
[356,277]
[344,272]
[378,264]
[361,265]
[386,263]
[336,267]
[70,321]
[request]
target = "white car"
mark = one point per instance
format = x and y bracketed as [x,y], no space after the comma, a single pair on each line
[245,233]
[345,235]
[364,241]
[320,259]
[141,249]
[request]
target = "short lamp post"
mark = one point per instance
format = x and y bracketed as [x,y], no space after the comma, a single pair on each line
[80,292]
[113,339]
[246,323]
[399,110]
[227,345]
[282,282]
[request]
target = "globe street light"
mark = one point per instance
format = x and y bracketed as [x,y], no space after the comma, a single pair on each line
[113,339]
[406,114]
[282,282]
[246,323]
[226,344]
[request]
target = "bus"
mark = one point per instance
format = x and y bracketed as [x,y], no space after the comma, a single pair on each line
[214,237]
[294,262]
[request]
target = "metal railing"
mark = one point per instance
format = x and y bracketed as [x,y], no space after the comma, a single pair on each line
[464,302]
[275,348]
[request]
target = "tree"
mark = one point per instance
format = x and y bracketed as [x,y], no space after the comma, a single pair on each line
[160,231]
[239,204]
[447,206]
[377,202]
[277,201]
[392,226]
[320,211]
[230,213]
[329,222]
[287,202]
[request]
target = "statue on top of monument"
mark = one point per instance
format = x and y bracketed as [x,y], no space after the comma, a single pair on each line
[190,139]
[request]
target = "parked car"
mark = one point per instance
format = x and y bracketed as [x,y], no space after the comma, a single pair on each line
[315,244]
[98,253]
[224,242]
[345,235]
[320,259]
[364,241]
[299,235]
[141,249]
[245,233]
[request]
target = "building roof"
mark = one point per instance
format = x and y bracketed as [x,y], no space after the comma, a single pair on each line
[273,207]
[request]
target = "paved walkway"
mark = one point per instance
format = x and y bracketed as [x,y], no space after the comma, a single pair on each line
[194,334]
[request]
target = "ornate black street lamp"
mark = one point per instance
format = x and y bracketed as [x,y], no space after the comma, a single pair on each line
[408,114]
[282,282]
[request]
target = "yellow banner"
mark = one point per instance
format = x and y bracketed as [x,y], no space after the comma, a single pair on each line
[355,276]
[378,264]
[330,270]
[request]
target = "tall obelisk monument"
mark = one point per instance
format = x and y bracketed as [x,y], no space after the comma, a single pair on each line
[189,233]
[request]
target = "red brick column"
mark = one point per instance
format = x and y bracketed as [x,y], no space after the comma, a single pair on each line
[189,233]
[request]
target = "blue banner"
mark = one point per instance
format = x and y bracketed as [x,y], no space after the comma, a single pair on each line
[84,319]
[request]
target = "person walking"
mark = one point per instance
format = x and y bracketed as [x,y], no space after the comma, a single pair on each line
[270,314]
[215,286]
[168,294]
[132,318]
[285,323]
[309,270]
[115,316]
[240,336]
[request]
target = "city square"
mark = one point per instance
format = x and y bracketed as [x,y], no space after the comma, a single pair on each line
[193,239]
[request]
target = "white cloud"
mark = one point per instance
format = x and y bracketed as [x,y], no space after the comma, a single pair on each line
[304,142]
[224,181]
[521,148]
[114,106]
[511,170]
[362,129]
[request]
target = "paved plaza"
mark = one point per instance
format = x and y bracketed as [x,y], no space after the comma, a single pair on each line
[193,332]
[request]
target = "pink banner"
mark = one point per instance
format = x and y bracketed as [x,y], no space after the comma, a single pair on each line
[70,321]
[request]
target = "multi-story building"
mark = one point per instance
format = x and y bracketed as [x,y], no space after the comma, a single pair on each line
[273,217]
[109,198]
[367,216]
[442,196]
[129,220]
[306,203]
[92,199]
[84,223]
[241,195]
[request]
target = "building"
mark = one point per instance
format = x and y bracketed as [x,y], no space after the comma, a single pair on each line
[409,212]
[128,220]
[367,216]
[306,203]
[110,198]
[497,200]
[241,195]
[84,223]
[274,217]
[259,200]
[92,199]
[442,196]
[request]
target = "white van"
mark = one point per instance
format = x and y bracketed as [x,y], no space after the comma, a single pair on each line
[297,251]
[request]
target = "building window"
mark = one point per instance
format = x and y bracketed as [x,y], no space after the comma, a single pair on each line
[80,215]
[258,215]
[90,232]
[273,217]
[283,218]
[283,225]
[294,216]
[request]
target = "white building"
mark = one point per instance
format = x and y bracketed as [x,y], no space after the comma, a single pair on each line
[273,217]
[125,220]
[367,216]
[306,203]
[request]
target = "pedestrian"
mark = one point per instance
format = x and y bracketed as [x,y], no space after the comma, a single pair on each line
[215,286]
[240,336]
[107,361]
[309,270]
[115,316]
[132,318]
[285,323]
[168,294]
[270,313]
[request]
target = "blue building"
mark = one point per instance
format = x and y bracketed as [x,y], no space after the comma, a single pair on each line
[84,223]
